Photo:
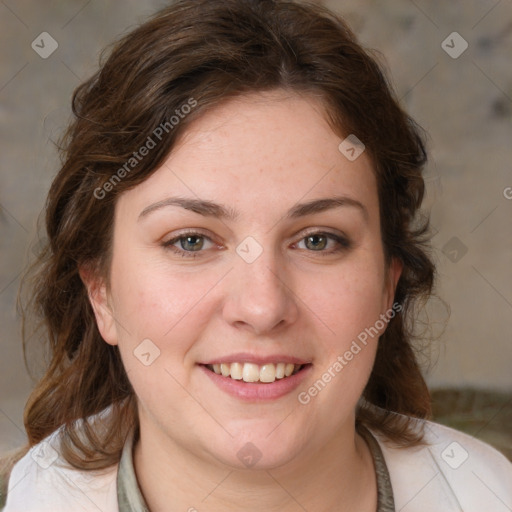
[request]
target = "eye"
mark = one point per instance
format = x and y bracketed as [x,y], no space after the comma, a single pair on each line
[189,244]
[319,241]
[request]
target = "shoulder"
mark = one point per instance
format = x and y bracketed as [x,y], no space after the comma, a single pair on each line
[42,481]
[451,471]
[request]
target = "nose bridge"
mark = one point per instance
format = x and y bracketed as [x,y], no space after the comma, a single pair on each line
[263,274]
[258,295]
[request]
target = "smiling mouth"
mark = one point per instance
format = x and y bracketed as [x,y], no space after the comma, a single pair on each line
[250,372]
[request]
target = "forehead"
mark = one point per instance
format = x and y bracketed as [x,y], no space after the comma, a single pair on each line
[259,151]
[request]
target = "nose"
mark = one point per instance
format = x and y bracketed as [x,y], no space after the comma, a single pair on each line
[259,296]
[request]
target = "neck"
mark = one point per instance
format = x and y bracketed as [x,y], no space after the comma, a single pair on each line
[340,476]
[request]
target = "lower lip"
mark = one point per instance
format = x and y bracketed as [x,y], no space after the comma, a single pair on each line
[254,391]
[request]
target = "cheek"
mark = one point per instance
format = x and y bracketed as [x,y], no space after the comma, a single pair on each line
[346,301]
[169,308]
[349,305]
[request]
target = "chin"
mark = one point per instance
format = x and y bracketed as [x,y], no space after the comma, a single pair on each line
[250,457]
[257,450]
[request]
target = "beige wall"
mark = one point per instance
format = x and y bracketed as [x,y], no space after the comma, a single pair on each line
[465,104]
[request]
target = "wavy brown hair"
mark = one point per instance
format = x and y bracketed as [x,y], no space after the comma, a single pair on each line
[209,51]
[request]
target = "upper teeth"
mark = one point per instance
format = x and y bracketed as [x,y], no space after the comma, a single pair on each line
[249,372]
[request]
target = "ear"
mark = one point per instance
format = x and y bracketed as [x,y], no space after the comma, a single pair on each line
[97,291]
[394,272]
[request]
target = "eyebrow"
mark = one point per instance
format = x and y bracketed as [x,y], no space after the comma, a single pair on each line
[211,209]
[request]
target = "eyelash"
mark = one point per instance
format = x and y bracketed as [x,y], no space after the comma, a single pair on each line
[343,243]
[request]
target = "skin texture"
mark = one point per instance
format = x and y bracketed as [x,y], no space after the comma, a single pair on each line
[259,154]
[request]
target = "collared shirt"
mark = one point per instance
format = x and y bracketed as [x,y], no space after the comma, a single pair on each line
[130,499]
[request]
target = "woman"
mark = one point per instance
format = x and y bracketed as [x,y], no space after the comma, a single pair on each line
[230,281]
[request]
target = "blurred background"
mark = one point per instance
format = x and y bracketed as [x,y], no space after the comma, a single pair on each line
[451,66]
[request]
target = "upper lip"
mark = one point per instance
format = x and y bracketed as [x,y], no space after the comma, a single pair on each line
[245,357]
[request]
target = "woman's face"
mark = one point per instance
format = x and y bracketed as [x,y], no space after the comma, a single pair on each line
[257,241]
